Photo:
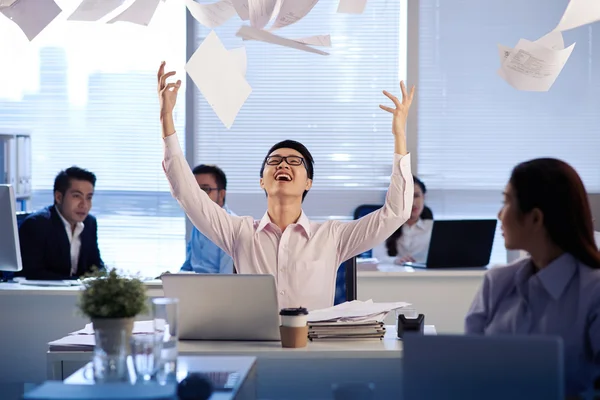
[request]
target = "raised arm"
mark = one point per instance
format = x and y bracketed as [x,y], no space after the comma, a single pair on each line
[210,219]
[373,229]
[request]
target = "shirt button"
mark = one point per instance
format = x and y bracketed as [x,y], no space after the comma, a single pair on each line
[281,292]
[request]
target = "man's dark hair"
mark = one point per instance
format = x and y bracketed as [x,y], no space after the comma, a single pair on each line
[215,171]
[300,148]
[62,182]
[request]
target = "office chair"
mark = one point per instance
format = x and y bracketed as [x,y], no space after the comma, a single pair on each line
[21,215]
[360,212]
[470,367]
[345,285]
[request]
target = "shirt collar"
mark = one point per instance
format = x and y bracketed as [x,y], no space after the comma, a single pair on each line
[554,277]
[303,221]
[78,227]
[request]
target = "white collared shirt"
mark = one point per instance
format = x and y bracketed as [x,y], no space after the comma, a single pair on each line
[74,240]
[414,242]
[304,258]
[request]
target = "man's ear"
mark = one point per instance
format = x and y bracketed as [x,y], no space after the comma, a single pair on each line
[308,184]
[222,194]
[58,197]
[262,183]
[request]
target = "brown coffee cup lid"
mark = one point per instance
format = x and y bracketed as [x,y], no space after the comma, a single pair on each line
[293,311]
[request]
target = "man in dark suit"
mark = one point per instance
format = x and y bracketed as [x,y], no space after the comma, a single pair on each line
[61,241]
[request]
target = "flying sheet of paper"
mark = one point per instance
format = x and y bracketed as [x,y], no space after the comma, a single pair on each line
[240,59]
[533,67]
[93,10]
[351,6]
[214,71]
[579,13]
[242,9]
[292,12]
[553,40]
[211,15]
[250,33]
[318,40]
[140,12]
[6,3]
[261,12]
[32,16]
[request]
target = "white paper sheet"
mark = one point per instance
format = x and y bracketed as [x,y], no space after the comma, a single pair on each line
[242,9]
[357,311]
[261,12]
[140,12]
[318,40]
[250,33]
[215,73]
[138,327]
[292,12]
[240,59]
[6,3]
[579,13]
[533,67]
[211,15]
[32,16]
[93,10]
[553,40]
[351,6]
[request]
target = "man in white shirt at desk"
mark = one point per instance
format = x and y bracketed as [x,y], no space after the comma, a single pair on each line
[303,256]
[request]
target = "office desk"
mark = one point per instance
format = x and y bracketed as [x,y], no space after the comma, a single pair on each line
[313,368]
[245,366]
[442,295]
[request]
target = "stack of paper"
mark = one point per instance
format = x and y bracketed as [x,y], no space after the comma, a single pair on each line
[351,320]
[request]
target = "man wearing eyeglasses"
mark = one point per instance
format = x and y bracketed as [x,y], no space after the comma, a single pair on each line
[203,256]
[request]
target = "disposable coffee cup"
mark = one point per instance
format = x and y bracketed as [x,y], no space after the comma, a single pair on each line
[294,328]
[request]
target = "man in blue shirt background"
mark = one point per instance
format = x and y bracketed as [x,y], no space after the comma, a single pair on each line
[203,256]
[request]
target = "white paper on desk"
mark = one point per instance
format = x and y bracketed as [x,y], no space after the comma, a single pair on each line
[261,12]
[93,10]
[240,59]
[140,12]
[292,12]
[579,13]
[533,67]
[242,9]
[355,311]
[211,15]
[317,40]
[351,6]
[138,327]
[250,33]
[32,16]
[553,40]
[215,73]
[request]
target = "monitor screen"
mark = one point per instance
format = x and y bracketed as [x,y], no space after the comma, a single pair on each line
[10,251]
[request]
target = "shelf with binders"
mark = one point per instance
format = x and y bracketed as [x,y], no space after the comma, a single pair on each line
[15,165]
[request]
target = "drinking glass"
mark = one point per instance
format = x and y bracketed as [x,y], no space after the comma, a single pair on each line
[146,355]
[165,313]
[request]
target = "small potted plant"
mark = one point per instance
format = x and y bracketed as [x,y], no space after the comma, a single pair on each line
[111,302]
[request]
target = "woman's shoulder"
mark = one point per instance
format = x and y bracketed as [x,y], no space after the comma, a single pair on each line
[505,271]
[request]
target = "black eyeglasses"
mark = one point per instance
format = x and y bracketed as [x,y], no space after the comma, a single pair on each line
[290,160]
[208,189]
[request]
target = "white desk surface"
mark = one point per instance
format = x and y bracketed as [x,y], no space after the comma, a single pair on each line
[185,364]
[391,270]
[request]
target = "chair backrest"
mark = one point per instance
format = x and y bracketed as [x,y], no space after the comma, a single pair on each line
[483,367]
[21,215]
[360,212]
[345,286]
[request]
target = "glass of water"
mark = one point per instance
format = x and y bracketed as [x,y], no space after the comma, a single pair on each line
[165,313]
[146,355]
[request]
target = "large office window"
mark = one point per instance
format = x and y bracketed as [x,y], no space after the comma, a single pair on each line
[87,93]
[329,103]
[473,128]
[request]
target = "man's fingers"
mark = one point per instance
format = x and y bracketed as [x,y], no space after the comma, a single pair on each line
[161,71]
[403,89]
[392,98]
[163,79]
[386,108]
[412,94]
[172,86]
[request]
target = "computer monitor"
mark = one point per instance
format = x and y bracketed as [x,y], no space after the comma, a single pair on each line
[10,250]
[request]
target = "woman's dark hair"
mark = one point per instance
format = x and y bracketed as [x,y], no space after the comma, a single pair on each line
[555,188]
[390,243]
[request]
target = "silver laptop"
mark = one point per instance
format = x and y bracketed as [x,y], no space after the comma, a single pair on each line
[225,307]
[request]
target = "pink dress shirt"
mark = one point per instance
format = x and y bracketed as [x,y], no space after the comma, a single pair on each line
[305,257]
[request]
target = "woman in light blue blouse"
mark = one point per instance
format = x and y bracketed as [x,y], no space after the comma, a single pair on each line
[555,291]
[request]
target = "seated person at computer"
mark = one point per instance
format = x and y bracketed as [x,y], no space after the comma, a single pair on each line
[202,255]
[303,256]
[61,241]
[556,290]
[410,242]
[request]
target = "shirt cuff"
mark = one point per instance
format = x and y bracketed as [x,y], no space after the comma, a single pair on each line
[401,163]
[172,147]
